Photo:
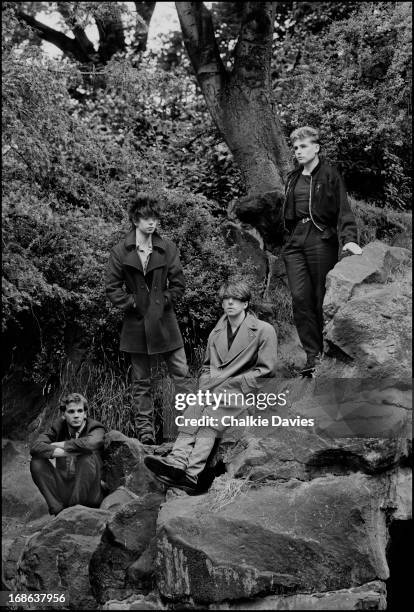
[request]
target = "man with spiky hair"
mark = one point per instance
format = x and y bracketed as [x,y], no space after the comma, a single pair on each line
[240,356]
[319,219]
[75,441]
[144,279]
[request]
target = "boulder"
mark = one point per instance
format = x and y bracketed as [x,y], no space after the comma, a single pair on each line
[367,308]
[290,538]
[374,331]
[375,266]
[370,596]
[124,465]
[20,496]
[129,534]
[117,498]
[56,559]
[135,602]
[357,425]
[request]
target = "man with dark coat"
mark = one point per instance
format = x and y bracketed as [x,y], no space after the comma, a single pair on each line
[75,441]
[144,279]
[319,219]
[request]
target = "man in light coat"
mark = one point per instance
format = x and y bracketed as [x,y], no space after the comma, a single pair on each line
[144,278]
[241,355]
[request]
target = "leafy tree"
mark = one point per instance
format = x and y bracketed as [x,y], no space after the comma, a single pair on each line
[75,16]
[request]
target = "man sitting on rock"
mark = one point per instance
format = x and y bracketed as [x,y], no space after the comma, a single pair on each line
[241,353]
[75,441]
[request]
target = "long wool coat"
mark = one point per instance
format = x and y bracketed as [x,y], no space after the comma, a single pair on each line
[150,325]
[244,369]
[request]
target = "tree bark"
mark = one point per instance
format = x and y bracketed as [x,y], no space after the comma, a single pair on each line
[240,103]
[144,14]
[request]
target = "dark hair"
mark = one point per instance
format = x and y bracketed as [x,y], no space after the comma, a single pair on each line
[235,288]
[305,132]
[142,206]
[76,398]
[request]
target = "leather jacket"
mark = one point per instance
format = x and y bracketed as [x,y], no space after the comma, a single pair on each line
[329,208]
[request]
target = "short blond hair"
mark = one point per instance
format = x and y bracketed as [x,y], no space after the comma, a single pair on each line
[305,132]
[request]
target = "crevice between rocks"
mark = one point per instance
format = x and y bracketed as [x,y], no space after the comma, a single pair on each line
[399,589]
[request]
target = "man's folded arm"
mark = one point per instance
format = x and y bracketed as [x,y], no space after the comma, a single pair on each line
[43,447]
[94,441]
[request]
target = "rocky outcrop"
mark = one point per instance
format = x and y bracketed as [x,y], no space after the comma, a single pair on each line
[322,535]
[123,563]
[370,596]
[20,496]
[56,560]
[368,311]
[359,425]
[124,465]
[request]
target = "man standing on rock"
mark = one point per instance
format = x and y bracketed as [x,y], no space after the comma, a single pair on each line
[75,441]
[144,279]
[240,356]
[318,218]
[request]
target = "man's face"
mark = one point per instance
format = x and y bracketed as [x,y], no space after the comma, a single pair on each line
[233,306]
[305,150]
[146,226]
[74,415]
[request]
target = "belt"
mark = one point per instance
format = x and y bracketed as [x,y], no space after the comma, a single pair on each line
[304,220]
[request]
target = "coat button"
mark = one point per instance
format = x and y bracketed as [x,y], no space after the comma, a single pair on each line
[142,286]
[157,301]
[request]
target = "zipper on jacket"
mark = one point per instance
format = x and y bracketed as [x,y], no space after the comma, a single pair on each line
[310,206]
[285,198]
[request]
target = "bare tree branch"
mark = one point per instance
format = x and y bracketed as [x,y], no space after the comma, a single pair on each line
[253,51]
[69,46]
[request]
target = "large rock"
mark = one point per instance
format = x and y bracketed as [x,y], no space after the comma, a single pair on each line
[117,498]
[56,559]
[20,496]
[370,596]
[358,425]
[296,537]
[129,534]
[124,465]
[136,602]
[368,311]
[375,266]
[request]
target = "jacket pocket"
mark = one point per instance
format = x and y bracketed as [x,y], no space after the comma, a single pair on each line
[329,233]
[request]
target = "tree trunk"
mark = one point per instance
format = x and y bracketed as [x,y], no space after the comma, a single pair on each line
[241,105]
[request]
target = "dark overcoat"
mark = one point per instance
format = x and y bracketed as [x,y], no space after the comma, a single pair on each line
[150,325]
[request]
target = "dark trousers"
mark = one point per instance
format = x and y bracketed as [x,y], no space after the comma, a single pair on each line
[59,492]
[308,258]
[141,385]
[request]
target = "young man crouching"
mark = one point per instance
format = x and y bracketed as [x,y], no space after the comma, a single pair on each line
[75,441]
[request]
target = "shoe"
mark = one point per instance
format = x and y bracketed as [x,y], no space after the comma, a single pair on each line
[310,368]
[166,480]
[187,483]
[161,466]
[147,439]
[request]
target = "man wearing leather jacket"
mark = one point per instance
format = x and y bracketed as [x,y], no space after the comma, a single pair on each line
[319,221]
